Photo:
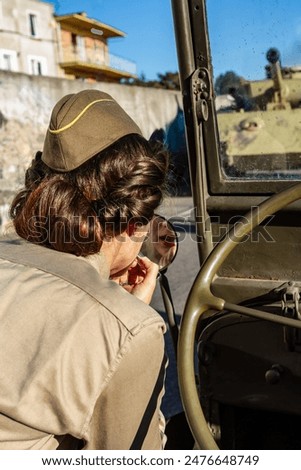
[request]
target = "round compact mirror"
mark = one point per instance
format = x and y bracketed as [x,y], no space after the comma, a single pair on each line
[161,243]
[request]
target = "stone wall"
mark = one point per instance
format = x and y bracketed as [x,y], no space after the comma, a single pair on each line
[29,99]
[25,107]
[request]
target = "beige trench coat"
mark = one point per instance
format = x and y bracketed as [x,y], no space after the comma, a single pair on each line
[81,360]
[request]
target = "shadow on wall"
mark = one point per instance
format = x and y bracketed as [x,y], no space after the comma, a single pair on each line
[174,139]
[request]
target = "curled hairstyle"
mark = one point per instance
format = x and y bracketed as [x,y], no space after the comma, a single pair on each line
[74,211]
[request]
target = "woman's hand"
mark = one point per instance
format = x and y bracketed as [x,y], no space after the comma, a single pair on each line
[140,279]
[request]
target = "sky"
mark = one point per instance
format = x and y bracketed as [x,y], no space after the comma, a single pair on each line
[241,32]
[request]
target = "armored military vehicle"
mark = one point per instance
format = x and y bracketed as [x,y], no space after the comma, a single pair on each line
[262,131]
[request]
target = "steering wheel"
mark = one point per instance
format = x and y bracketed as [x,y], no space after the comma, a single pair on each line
[201,299]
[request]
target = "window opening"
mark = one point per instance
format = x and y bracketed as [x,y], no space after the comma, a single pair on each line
[33,24]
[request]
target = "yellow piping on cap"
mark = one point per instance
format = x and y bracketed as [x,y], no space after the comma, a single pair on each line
[57,131]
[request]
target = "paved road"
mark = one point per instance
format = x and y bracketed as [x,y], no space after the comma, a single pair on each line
[186,265]
[181,275]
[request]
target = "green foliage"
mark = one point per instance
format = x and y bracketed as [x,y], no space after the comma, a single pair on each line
[167,81]
[225,81]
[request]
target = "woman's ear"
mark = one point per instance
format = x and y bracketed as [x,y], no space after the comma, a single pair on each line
[137,229]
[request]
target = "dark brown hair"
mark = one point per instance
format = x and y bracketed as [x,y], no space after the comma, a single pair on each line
[73,211]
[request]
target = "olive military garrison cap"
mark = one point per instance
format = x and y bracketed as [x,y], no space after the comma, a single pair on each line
[82,125]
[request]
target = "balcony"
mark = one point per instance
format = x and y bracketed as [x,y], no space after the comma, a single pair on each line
[124,65]
[101,67]
[84,49]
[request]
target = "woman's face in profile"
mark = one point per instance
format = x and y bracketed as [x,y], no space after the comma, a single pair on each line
[129,246]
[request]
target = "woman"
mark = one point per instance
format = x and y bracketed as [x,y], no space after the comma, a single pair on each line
[82,357]
[161,242]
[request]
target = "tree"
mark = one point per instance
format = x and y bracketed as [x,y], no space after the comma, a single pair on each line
[168,81]
[225,81]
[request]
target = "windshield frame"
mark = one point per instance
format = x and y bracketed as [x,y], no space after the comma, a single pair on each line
[194,58]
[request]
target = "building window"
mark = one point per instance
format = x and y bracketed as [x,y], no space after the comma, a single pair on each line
[81,50]
[74,41]
[8,60]
[37,65]
[32,17]
[78,46]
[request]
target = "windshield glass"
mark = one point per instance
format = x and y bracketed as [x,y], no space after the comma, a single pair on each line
[256,58]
